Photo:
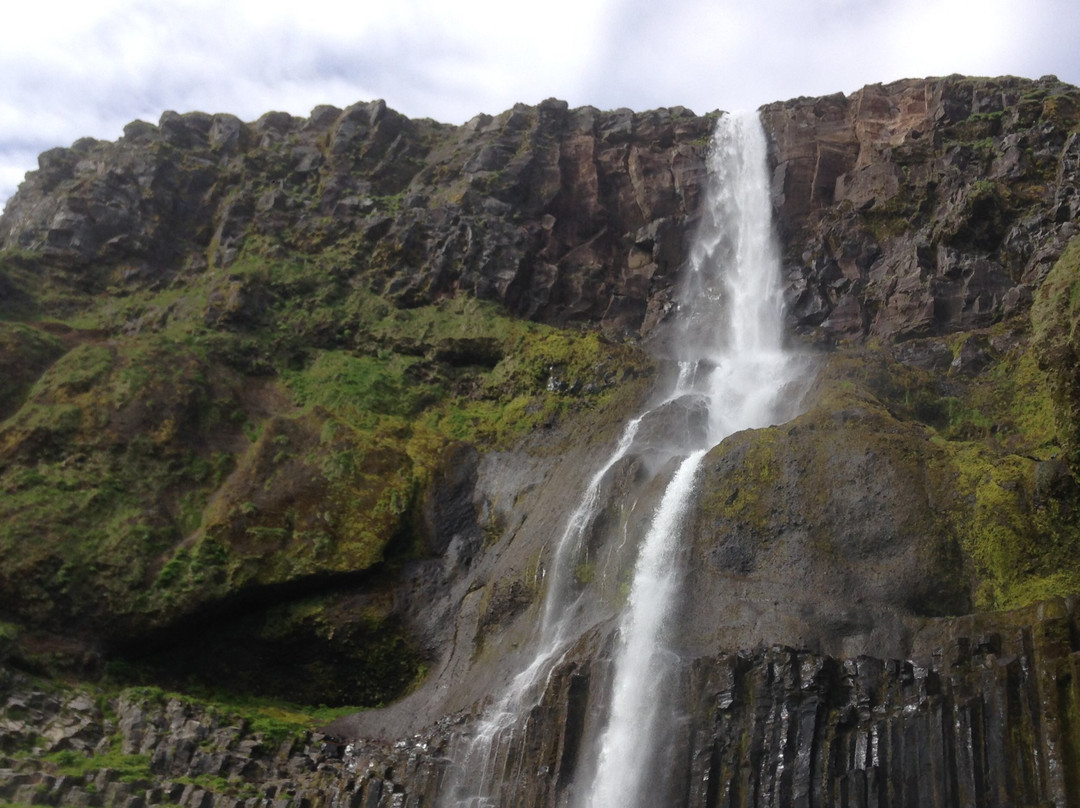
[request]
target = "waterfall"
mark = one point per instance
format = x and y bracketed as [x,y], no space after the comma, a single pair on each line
[730,352]
[728,345]
[552,638]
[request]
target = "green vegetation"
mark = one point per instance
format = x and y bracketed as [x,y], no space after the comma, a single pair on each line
[1055,317]
[275,720]
[275,422]
[266,724]
[129,768]
[981,441]
[994,444]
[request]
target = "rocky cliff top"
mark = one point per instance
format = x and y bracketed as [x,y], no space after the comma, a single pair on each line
[924,206]
[907,209]
[558,214]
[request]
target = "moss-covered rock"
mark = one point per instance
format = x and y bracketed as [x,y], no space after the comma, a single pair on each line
[1055,316]
[171,455]
[829,532]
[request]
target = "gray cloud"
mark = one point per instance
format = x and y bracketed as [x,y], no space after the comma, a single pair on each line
[89,68]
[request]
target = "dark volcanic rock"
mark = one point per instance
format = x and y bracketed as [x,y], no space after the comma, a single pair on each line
[913,208]
[923,206]
[981,716]
[561,215]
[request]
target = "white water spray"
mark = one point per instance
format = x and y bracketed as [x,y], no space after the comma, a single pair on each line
[554,632]
[730,351]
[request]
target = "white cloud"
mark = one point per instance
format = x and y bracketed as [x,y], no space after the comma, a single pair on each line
[69,69]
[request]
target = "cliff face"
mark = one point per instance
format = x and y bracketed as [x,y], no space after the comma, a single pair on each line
[558,214]
[906,209]
[923,207]
[297,407]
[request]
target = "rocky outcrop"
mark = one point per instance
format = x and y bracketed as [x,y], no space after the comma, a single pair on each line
[983,716]
[923,206]
[909,209]
[72,747]
[559,214]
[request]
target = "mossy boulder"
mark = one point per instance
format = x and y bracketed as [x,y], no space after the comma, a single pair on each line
[827,532]
[923,481]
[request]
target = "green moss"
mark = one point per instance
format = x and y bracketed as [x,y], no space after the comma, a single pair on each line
[128,768]
[1024,545]
[584,573]
[362,385]
[25,353]
[30,287]
[1016,397]
[744,499]
[1055,317]
[108,461]
[991,444]
[1062,111]
[897,215]
[264,423]
[76,372]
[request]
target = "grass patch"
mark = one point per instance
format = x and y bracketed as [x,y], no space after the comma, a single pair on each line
[129,768]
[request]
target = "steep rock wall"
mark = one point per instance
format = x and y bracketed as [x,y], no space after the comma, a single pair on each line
[924,206]
[908,209]
[558,214]
[984,715]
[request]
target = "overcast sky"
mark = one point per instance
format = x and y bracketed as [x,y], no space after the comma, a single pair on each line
[72,69]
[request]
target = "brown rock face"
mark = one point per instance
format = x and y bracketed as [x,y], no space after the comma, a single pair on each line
[909,209]
[559,214]
[923,206]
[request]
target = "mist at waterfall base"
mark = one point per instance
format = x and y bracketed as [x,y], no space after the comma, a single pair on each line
[730,371]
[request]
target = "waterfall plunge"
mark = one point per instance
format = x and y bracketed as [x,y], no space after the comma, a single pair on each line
[730,353]
[729,347]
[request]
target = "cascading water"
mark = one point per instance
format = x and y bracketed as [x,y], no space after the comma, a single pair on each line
[730,352]
[728,343]
[551,641]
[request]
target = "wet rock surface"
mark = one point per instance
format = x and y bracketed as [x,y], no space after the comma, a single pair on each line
[64,746]
[983,715]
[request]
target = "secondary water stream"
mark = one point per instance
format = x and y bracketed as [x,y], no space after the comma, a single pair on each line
[728,343]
